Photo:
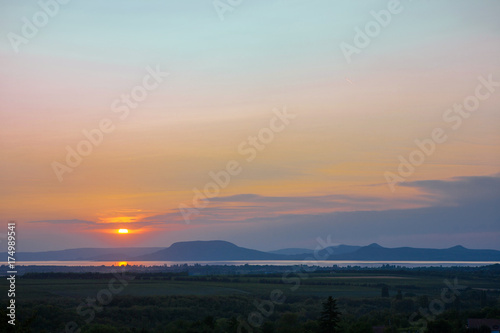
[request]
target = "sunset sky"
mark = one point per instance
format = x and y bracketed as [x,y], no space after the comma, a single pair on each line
[267,90]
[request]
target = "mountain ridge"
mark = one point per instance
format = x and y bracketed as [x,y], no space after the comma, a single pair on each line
[209,250]
[223,250]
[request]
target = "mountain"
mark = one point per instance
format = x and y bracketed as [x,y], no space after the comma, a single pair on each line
[209,250]
[341,249]
[456,253]
[123,253]
[303,253]
[222,250]
[292,251]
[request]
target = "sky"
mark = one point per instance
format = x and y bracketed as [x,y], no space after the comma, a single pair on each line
[269,124]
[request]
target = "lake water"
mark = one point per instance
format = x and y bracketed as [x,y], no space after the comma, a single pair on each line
[323,263]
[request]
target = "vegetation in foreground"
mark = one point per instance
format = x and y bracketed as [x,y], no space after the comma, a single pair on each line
[402,300]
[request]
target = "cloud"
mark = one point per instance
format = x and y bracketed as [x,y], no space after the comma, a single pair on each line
[255,208]
[249,207]
[98,225]
[332,202]
[67,222]
[332,198]
[464,211]
[461,190]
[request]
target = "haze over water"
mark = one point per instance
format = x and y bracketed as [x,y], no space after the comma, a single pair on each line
[322,263]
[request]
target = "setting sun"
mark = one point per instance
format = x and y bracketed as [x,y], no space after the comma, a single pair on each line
[123,231]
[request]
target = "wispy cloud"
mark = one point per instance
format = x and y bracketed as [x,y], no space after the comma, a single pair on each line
[84,224]
[66,222]
[461,190]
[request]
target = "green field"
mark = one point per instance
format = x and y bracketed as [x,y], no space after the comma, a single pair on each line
[350,285]
[173,303]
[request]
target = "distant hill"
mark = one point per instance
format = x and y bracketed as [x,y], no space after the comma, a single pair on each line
[292,251]
[332,250]
[456,253]
[222,250]
[209,250]
[123,253]
[341,249]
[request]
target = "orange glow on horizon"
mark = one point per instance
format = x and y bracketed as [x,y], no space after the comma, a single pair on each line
[119,219]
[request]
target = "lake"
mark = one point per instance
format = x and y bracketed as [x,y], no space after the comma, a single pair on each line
[323,263]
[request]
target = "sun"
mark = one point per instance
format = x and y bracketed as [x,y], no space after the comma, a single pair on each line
[123,231]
